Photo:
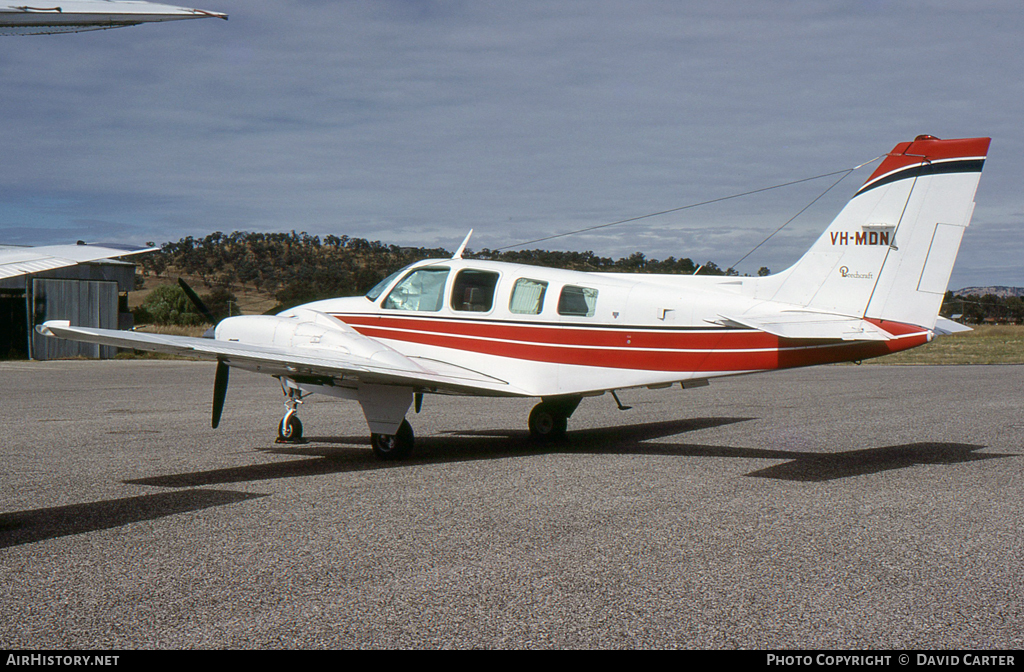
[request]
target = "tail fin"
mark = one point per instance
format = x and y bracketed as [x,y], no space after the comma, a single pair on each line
[889,253]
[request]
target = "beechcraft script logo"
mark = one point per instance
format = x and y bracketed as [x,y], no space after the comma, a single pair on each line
[847,273]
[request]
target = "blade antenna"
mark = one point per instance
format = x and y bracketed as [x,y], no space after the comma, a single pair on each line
[462,248]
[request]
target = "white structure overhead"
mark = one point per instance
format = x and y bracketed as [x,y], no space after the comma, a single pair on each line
[16,261]
[73,16]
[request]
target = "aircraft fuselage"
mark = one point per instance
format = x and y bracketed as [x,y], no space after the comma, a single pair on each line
[550,332]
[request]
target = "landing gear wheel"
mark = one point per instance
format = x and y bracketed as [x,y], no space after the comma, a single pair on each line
[548,422]
[290,429]
[391,447]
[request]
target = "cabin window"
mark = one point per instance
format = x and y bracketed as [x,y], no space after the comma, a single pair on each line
[474,290]
[577,301]
[527,297]
[421,290]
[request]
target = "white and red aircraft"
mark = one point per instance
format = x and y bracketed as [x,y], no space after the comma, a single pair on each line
[871,285]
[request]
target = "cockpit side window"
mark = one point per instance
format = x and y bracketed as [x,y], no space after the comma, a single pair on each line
[527,297]
[577,301]
[421,290]
[474,290]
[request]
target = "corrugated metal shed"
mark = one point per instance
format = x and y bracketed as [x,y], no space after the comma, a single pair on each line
[88,294]
[85,303]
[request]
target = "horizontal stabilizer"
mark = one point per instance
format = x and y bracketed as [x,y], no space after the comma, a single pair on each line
[803,324]
[944,327]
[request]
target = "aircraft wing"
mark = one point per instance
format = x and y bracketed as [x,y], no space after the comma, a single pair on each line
[299,362]
[73,16]
[15,261]
[806,324]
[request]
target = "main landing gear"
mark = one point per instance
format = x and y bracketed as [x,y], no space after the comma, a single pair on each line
[549,419]
[391,447]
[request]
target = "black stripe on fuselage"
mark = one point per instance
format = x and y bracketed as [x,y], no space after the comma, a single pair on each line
[917,170]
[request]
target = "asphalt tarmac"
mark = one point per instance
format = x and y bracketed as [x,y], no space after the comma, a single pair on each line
[841,507]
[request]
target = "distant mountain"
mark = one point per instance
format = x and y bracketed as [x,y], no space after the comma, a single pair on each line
[1001,292]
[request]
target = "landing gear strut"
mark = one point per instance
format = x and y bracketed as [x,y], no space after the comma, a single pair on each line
[549,419]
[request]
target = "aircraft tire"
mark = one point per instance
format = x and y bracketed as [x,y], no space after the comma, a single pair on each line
[392,447]
[548,423]
[290,429]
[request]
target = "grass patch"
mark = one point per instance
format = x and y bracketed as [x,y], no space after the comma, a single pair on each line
[986,344]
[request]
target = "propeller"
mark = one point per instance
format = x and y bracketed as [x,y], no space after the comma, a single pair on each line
[220,389]
[197,302]
[220,381]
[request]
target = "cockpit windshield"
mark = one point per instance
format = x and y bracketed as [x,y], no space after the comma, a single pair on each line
[379,288]
[421,290]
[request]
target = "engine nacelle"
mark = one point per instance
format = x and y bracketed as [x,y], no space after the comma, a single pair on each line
[319,333]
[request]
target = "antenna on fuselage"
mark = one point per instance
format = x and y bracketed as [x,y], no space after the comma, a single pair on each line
[458,253]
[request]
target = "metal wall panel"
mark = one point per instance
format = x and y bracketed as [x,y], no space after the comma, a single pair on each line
[85,304]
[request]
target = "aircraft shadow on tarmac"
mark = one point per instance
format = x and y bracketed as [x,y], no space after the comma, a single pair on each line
[328,455]
[26,527]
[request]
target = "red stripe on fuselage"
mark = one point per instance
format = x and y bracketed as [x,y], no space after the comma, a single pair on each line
[637,348]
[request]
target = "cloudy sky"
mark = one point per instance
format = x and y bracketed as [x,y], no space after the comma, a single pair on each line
[413,121]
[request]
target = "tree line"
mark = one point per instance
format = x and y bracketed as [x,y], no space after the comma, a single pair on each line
[983,309]
[297,268]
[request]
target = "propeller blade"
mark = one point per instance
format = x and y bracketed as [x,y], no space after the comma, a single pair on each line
[220,388]
[197,302]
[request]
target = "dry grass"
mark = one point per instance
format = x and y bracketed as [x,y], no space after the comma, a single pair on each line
[174,330]
[986,344]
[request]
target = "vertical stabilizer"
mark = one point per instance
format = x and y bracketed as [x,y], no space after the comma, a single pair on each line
[889,253]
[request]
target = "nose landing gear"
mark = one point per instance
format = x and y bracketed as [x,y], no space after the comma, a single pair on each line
[290,429]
